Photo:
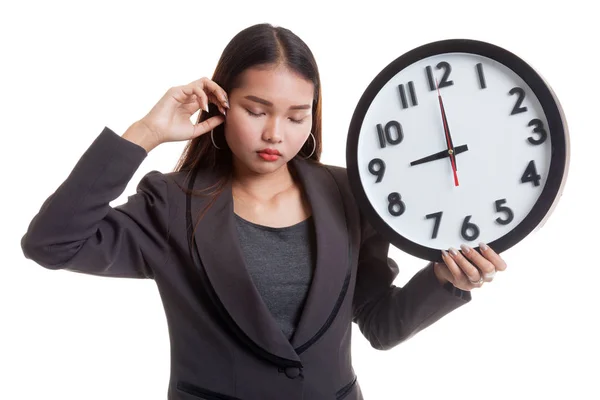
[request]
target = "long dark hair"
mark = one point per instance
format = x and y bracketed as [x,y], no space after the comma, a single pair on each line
[260,44]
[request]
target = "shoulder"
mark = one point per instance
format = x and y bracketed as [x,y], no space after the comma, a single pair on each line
[340,174]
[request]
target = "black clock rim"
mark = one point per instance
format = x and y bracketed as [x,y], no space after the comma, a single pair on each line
[556,128]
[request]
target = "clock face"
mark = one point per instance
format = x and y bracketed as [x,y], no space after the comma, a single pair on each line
[506,139]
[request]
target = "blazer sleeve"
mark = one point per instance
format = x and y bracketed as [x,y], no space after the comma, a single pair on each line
[388,315]
[77,230]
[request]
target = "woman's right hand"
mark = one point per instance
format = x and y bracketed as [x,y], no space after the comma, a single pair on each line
[169,120]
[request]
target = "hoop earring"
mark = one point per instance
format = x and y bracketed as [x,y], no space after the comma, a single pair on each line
[213,140]
[314,147]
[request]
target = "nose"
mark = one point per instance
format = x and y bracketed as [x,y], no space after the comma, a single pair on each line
[272,132]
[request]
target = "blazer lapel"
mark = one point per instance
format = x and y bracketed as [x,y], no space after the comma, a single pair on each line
[332,272]
[222,259]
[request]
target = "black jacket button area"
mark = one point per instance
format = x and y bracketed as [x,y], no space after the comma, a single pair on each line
[292,372]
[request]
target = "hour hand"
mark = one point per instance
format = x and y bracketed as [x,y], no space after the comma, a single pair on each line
[440,155]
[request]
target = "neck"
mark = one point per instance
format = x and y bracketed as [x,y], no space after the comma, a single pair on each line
[262,186]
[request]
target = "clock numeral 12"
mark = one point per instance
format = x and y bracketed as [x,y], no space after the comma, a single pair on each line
[444,82]
[385,134]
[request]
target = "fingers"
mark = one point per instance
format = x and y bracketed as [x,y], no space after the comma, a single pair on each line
[493,257]
[208,125]
[468,268]
[457,265]
[212,92]
[486,268]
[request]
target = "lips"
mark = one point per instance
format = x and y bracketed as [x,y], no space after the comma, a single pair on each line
[271,152]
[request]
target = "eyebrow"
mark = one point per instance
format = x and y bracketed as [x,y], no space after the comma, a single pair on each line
[268,103]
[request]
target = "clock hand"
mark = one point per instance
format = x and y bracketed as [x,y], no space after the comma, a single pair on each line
[448,137]
[440,155]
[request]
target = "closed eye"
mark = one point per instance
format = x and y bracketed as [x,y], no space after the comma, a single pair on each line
[253,114]
[295,121]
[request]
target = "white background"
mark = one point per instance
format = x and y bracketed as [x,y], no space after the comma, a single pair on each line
[71,68]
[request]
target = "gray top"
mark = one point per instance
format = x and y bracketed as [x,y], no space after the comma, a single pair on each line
[281,263]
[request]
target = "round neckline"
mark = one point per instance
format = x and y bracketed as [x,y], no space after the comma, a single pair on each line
[273,228]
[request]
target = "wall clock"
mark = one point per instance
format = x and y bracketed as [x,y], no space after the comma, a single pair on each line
[457,141]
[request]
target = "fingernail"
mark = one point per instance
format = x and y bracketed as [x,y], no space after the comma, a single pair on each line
[465,248]
[444,253]
[453,251]
[206,108]
[226,104]
[490,275]
[483,246]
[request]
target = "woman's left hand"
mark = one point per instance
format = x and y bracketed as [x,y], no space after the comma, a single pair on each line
[469,269]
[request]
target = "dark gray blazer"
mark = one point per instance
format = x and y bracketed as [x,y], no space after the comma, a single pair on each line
[224,342]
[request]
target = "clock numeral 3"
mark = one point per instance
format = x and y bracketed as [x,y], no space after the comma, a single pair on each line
[396,206]
[469,230]
[385,134]
[444,82]
[377,168]
[436,225]
[531,174]
[411,92]
[539,128]
[502,208]
[520,97]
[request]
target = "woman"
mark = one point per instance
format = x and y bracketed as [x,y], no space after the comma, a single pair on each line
[261,256]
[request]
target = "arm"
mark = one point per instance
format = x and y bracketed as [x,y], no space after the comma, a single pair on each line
[388,315]
[77,230]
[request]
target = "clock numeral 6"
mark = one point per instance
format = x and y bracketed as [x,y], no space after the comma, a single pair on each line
[377,168]
[469,230]
[385,134]
[396,206]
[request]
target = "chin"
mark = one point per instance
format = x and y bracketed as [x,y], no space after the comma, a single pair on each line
[260,166]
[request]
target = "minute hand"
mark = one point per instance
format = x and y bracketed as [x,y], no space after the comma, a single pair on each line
[440,155]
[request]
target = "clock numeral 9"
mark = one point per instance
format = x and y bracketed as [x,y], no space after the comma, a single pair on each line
[539,128]
[377,168]
[396,206]
[468,227]
[385,134]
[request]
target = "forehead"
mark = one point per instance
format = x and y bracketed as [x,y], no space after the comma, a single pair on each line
[277,84]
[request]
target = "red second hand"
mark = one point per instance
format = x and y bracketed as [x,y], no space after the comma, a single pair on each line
[446,131]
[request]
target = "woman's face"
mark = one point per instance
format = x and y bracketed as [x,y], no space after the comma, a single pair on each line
[270,118]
